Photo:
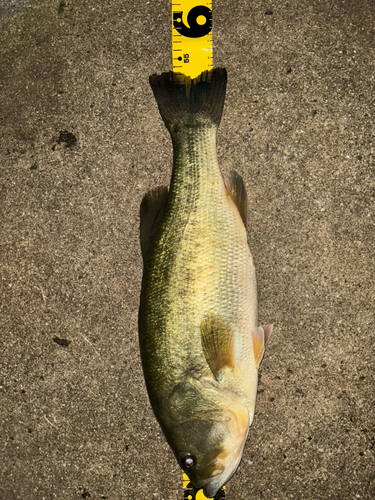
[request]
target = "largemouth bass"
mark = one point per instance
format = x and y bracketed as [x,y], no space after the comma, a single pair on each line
[198,319]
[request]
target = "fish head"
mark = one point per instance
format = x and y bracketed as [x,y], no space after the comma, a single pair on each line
[209,445]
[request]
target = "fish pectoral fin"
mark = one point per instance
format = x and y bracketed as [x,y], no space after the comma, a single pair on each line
[219,344]
[235,188]
[260,336]
[151,210]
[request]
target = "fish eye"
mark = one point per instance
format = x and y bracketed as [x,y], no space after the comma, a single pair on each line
[188,461]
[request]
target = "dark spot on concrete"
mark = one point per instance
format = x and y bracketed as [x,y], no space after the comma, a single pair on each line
[271,399]
[126,447]
[289,370]
[85,494]
[359,157]
[268,12]
[34,166]
[61,7]
[62,342]
[289,70]
[29,431]
[314,112]
[67,138]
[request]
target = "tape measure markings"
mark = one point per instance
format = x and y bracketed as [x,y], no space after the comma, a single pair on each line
[191,38]
[190,493]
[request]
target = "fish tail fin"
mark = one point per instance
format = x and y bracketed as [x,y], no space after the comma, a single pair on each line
[199,99]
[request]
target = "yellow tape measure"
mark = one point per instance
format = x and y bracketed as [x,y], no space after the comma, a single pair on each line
[191,38]
[190,493]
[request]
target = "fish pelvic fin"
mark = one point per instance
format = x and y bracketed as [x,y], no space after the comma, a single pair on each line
[152,207]
[219,344]
[260,336]
[235,188]
[201,98]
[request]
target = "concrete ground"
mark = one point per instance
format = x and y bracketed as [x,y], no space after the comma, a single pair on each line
[82,141]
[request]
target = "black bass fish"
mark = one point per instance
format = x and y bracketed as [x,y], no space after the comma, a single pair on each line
[198,319]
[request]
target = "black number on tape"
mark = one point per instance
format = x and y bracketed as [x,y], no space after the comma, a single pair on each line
[195,30]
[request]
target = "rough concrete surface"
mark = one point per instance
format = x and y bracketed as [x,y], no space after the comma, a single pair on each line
[82,141]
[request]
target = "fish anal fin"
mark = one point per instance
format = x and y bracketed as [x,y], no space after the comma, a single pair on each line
[151,209]
[235,188]
[260,336]
[219,345]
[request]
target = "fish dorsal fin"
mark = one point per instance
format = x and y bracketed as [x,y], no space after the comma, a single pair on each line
[151,209]
[236,190]
[219,344]
[260,336]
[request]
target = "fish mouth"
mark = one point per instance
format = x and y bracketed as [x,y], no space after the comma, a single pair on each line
[210,486]
[213,484]
[217,469]
[211,489]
